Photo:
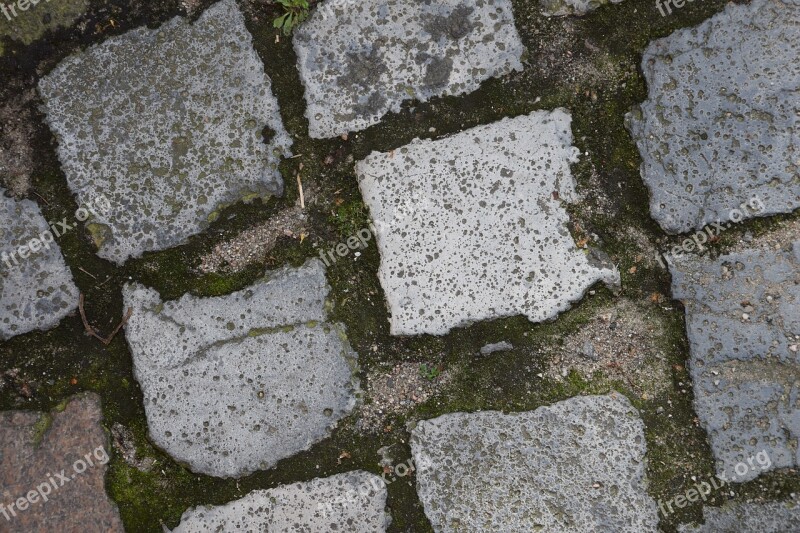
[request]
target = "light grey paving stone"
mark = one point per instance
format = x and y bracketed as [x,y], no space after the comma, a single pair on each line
[572,7]
[501,346]
[361,60]
[52,467]
[474,227]
[575,466]
[719,126]
[300,507]
[36,291]
[743,325]
[773,517]
[233,384]
[167,124]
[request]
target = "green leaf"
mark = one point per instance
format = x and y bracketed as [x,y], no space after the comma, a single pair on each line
[278,22]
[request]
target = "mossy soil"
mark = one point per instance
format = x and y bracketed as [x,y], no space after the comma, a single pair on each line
[595,75]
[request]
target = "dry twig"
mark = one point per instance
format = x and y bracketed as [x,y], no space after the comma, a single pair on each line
[93,332]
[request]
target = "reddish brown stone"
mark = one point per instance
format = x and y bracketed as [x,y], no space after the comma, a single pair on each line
[36,449]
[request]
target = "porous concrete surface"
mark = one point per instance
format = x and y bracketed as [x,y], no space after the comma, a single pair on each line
[572,7]
[233,384]
[36,292]
[300,507]
[474,227]
[772,517]
[575,466]
[170,124]
[719,125]
[743,325]
[37,447]
[38,18]
[359,61]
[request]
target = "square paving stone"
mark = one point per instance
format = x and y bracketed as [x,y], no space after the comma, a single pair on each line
[170,124]
[36,291]
[474,227]
[57,462]
[572,467]
[743,324]
[361,60]
[233,384]
[720,122]
[360,499]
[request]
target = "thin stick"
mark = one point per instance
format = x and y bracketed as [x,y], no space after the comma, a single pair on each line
[119,327]
[87,273]
[302,198]
[93,332]
[89,329]
[42,197]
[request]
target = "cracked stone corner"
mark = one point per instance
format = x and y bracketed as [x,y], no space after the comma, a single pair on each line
[232,384]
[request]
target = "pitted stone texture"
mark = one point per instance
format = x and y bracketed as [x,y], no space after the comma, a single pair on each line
[299,507]
[572,7]
[574,466]
[359,61]
[720,123]
[35,447]
[35,292]
[772,517]
[167,124]
[743,325]
[472,227]
[235,383]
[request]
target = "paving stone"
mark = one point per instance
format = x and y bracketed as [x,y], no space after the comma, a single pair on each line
[359,61]
[233,384]
[501,346]
[575,466]
[38,18]
[743,325]
[474,227]
[572,7]
[773,517]
[61,456]
[300,507]
[167,124]
[36,292]
[719,125]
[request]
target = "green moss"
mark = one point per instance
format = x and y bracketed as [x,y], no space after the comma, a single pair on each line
[40,428]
